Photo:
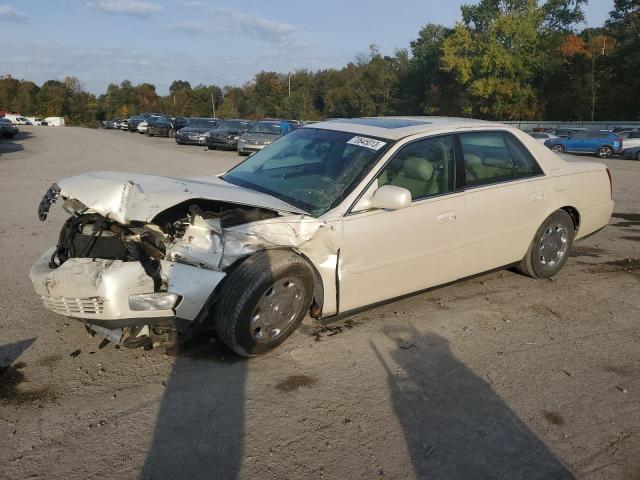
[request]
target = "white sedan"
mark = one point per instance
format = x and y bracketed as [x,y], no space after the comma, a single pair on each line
[543,136]
[331,218]
[630,139]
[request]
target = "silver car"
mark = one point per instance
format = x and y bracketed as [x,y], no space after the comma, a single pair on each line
[262,134]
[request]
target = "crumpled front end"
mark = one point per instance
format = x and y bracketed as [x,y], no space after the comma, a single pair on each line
[130,256]
[116,293]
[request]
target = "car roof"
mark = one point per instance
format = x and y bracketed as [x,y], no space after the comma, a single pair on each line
[395,128]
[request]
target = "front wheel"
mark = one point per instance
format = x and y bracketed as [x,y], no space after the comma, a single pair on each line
[557,148]
[605,152]
[638,156]
[263,301]
[550,247]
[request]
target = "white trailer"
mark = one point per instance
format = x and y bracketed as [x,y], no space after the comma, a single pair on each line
[55,121]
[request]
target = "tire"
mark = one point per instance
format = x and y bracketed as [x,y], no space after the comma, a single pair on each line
[251,289]
[557,148]
[605,152]
[638,156]
[172,133]
[211,147]
[534,264]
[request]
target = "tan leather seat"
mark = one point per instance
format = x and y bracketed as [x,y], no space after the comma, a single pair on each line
[416,175]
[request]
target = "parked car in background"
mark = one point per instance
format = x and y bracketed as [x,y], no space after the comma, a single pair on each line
[7,128]
[124,124]
[543,136]
[109,124]
[17,119]
[598,142]
[623,128]
[227,134]
[630,139]
[37,121]
[193,133]
[165,126]
[143,127]
[631,153]
[542,129]
[565,132]
[262,133]
[135,120]
[332,218]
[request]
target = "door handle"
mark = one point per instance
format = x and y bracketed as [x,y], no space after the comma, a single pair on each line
[447,217]
[534,197]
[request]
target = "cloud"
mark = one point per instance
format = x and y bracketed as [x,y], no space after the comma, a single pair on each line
[191,28]
[10,14]
[97,67]
[125,7]
[248,24]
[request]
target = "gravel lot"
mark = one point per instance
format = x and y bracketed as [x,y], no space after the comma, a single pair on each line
[499,376]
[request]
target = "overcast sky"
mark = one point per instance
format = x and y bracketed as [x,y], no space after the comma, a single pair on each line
[207,41]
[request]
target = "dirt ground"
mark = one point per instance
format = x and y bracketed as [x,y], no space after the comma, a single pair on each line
[499,376]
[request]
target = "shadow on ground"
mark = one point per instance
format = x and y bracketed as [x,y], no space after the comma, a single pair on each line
[455,426]
[10,145]
[199,431]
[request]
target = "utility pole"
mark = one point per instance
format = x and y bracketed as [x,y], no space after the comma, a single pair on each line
[289,85]
[213,105]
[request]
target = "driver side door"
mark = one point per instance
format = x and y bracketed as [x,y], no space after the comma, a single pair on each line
[389,253]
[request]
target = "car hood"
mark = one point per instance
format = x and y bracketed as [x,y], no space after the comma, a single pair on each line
[127,197]
[260,137]
[195,129]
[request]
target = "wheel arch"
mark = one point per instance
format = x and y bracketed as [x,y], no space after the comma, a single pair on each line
[318,285]
[574,214]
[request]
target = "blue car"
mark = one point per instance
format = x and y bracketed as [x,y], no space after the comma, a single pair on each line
[632,153]
[598,142]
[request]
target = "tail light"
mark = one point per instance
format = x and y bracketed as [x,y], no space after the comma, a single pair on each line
[610,182]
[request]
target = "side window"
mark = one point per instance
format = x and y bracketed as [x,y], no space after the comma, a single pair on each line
[580,135]
[486,158]
[523,162]
[424,167]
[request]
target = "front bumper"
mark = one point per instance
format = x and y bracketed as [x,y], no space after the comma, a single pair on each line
[218,142]
[189,140]
[97,291]
[158,131]
[249,147]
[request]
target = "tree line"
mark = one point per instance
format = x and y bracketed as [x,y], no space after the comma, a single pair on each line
[504,60]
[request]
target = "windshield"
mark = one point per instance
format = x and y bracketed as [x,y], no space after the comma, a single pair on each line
[202,123]
[310,168]
[235,125]
[270,128]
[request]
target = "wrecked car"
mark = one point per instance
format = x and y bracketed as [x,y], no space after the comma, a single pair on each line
[331,218]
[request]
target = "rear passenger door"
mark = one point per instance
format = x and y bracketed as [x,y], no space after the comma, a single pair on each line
[505,199]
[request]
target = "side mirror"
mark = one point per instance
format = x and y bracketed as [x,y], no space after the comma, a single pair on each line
[391,197]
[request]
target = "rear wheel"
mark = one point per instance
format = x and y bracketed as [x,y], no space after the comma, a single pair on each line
[263,301]
[605,151]
[558,148]
[550,247]
[638,156]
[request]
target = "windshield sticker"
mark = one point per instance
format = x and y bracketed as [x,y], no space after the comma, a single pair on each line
[367,143]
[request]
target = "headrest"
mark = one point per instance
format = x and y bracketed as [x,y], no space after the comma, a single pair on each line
[472,158]
[418,168]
